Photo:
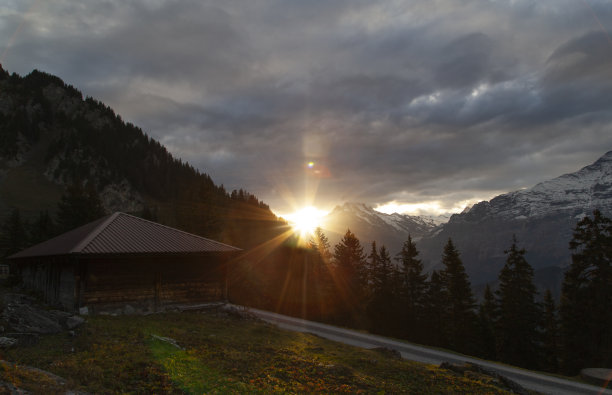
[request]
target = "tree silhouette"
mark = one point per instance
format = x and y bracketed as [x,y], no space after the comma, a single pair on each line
[348,261]
[517,324]
[43,228]
[372,264]
[550,334]
[78,206]
[487,318]
[586,316]
[381,303]
[413,290]
[459,315]
[14,236]
[436,304]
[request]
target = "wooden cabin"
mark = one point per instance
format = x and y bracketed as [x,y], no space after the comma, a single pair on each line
[123,260]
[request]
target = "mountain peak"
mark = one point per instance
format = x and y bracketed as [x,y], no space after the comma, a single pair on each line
[541,218]
[575,194]
[368,224]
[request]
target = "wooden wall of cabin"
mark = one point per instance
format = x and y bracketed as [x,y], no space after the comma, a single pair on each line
[151,282]
[107,282]
[52,278]
[192,282]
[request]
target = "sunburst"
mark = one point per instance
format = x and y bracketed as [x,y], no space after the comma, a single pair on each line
[305,220]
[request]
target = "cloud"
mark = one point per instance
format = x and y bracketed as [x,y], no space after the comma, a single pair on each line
[405,100]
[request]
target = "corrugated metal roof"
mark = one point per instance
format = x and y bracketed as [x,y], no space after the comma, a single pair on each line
[121,233]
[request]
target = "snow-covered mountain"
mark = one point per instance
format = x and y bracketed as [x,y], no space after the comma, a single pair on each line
[370,225]
[580,193]
[542,218]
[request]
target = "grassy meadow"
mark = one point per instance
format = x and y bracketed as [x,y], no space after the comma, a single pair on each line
[218,354]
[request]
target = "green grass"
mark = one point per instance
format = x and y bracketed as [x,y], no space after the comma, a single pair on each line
[222,355]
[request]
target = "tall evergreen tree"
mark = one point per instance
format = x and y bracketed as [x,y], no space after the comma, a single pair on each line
[380,306]
[550,334]
[371,267]
[320,243]
[586,316]
[14,236]
[435,306]
[322,272]
[78,206]
[487,318]
[43,228]
[413,290]
[460,318]
[148,213]
[349,261]
[517,326]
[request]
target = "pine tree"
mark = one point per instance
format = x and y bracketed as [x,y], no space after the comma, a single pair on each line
[459,316]
[586,316]
[371,267]
[322,274]
[14,234]
[435,305]
[349,261]
[78,206]
[43,228]
[148,213]
[320,244]
[380,306]
[517,336]
[487,318]
[550,334]
[413,289]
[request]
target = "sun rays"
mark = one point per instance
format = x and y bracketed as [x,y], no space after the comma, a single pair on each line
[305,220]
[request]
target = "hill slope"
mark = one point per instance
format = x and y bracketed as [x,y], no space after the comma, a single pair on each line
[221,353]
[50,138]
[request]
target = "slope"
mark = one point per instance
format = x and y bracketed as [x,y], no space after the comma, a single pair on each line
[51,137]
[221,353]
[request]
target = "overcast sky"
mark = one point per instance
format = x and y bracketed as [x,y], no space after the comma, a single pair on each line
[410,101]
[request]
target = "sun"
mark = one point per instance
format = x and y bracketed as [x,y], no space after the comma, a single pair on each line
[306,219]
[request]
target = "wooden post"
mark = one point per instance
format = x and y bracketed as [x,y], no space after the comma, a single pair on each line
[157,289]
[78,280]
[227,273]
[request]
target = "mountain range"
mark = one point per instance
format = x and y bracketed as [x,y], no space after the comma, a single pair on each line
[541,217]
[370,225]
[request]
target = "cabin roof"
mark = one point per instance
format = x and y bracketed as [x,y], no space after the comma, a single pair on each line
[121,233]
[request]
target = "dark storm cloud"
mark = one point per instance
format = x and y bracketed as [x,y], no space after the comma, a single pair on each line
[404,100]
[464,61]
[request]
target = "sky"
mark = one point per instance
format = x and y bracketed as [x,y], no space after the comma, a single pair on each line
[427,105]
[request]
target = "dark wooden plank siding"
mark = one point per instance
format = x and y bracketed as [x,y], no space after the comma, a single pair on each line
[153,282]
[191,282]
[52,279]
[117,281]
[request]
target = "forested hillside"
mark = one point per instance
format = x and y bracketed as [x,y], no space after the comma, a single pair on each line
[54,144]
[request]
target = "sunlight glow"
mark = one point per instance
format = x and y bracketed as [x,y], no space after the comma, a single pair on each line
[425,208]
[306,219]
